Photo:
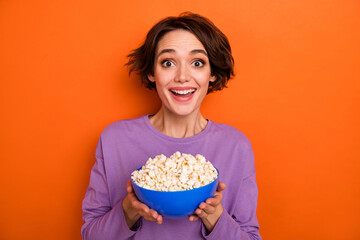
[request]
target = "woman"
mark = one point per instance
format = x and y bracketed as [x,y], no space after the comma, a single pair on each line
[184,58]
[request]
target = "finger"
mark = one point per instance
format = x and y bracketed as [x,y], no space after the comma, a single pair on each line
[133,199]
[150,215]
[143,210]
[140,207]
[193,218]
[156,216]
[149,218]
[159,219]
[129,187]
[153,216]
[200,213]
[207,208]
[135,203]
[215,200]
[221,187]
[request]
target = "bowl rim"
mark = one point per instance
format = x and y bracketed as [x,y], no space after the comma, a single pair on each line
[218,175]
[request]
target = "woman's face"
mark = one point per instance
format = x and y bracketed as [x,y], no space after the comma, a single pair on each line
[181,72]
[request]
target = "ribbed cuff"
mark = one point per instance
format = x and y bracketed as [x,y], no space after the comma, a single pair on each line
[125,230]
[225,228]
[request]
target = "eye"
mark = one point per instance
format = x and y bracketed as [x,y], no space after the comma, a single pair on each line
[198,63]
[167,63]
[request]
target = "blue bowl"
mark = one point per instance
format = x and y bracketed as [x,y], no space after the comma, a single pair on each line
[177,204]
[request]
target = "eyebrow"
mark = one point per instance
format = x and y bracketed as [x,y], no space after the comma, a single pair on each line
[167,50]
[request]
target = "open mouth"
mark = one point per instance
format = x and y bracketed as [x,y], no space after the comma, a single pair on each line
[183,93]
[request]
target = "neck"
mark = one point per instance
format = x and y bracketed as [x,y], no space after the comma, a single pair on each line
[178,126]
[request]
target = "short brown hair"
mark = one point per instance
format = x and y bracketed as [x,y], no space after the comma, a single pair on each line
[216,44]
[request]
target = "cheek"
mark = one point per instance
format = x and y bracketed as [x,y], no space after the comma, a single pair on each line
[163,77]
[203,79]
[161,88]
[161,83]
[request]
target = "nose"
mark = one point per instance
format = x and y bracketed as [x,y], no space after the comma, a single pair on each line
[182,74]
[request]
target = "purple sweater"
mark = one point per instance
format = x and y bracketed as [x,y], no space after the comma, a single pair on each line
[126,145]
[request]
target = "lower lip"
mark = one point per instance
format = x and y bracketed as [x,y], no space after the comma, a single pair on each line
[182,99]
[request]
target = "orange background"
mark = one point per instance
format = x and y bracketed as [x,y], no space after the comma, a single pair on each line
[295,95]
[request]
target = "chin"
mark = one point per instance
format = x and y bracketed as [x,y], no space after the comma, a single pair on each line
[183,111]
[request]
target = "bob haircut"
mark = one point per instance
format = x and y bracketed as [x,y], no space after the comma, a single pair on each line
[216,44]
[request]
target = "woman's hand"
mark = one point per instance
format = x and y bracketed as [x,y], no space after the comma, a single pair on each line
[134,209]
[210,210]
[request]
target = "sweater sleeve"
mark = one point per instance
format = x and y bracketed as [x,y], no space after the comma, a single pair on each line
[230,227]
[102,221]
[242,224]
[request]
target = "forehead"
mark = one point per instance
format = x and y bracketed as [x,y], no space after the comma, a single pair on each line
[179,40]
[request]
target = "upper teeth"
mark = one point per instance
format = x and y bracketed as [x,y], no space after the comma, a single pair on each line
[183,91]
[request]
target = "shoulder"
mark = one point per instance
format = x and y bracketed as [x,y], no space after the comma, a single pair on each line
[230,134]
[236,147]
[123,126]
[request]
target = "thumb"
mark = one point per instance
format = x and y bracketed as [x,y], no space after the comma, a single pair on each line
[129,187]
[221,187]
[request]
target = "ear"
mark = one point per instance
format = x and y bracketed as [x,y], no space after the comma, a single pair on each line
[212,78]
[151,78]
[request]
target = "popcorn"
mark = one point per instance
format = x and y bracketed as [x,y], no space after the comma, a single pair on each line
[177,173]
